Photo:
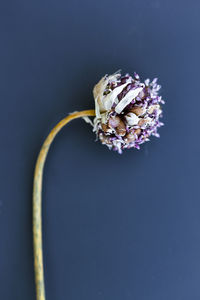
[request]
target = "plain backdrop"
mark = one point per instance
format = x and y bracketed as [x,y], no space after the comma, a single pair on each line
[116,227]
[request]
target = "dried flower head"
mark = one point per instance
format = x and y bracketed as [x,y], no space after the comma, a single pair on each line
[127,111]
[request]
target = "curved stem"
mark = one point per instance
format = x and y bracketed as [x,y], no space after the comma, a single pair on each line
[37,201]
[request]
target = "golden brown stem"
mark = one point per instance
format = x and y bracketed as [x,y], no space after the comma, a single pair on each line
[37,201]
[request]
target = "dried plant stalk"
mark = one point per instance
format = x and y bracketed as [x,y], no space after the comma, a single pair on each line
[37,201]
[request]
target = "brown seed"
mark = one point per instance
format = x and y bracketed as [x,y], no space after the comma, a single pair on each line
[105,139]
[138,111]
[121,128]
[142,122]
[114,122]
[104,127]
[130,137]
[137,131]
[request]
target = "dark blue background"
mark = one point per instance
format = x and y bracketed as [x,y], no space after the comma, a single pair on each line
[115,227]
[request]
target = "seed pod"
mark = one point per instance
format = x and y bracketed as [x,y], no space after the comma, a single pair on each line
[130,137]
[131,119]
[121,128]
[137,110]
[105,139]
[137,131]
[142,122]
[105,127]
[114,121]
